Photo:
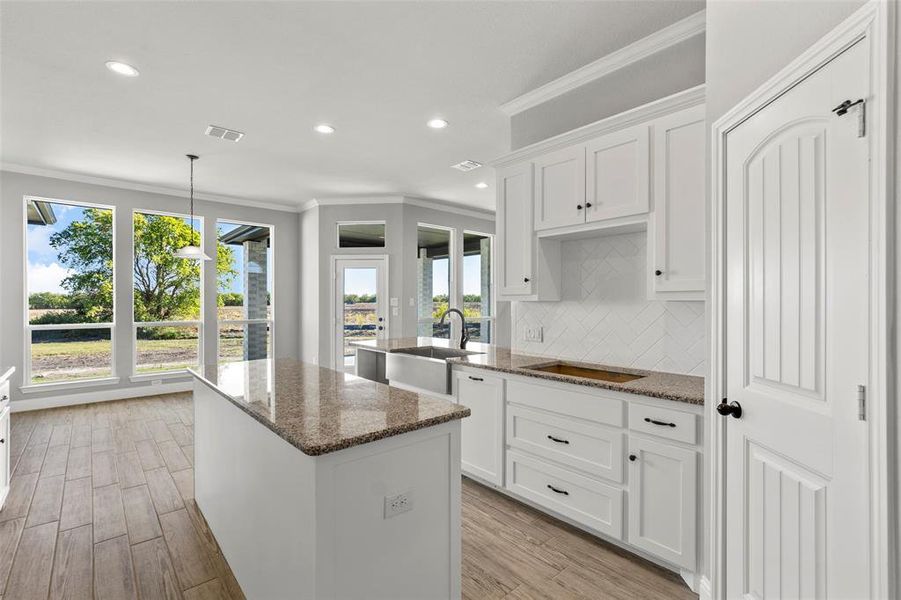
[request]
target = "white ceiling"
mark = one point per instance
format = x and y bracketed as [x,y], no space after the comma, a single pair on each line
[377,71]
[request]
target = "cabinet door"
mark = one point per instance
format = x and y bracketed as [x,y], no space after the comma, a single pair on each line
[4,455]
[617,174]
[560,188]
[514,224]
[663,500]
[482,433]
[677,233]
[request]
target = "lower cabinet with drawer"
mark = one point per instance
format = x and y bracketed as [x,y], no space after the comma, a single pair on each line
[622,465]
[5,463]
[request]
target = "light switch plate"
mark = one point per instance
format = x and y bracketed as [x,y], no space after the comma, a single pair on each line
[394,302]
[533,334]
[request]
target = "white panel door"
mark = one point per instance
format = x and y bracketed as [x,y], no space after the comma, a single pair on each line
[797,321]
[360,306]
[678,255]
[514,221]
[560,188]
[663,489]
[617,173]
[482,433]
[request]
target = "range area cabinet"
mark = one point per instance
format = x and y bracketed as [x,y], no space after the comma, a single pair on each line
[622,466]
[641,170]
[5,453]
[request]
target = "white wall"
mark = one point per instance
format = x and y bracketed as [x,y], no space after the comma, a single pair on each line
[13,188]
[401,219]
[604,315]
[677,68]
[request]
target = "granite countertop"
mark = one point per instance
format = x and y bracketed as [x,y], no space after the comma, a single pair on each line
[656,384]
[319,410]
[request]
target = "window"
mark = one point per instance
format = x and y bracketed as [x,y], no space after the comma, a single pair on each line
[69,284]
[244,259]
[434,282]
[167,293]
[478,299]
[361,234]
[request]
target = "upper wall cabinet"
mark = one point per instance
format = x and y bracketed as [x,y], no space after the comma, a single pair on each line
[676,234]
[560,188]
[617,175]
[514,230]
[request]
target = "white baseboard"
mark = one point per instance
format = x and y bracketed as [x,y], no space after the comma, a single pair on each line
[100,396]
[704,590]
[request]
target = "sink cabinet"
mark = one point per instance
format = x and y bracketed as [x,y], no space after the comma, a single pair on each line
[482,433]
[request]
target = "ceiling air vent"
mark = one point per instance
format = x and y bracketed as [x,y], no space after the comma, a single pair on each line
[224,133]
[467,165]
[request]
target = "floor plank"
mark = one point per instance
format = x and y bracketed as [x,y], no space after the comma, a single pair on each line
[211,590]
[79,464]
[189,553]
[149,455]
[78,499]
[55,461]
[48,498]
[10,532]
[113,572]
[154,571]
[109,514]
[173,456]
[73,565]
[21,490]
[131,473]
[30,574]
[163,491]
[103,469]
[140,516]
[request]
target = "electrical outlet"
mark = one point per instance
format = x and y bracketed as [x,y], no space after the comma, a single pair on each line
[533,334]
[401,503]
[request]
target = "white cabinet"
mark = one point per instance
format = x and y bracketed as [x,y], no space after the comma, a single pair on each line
[514,225]
[482,433]
[663,492]
[676,235]
[4,455]
[617,175]
[560,188]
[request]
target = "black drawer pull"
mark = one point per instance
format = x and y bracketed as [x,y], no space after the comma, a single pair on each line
[558,490]
[664,424]
[476,378]
[558,440]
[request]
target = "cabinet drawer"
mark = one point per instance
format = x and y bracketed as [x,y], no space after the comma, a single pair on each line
[4,393]
[663,422]
[594,449]
[567,401]
[590,502]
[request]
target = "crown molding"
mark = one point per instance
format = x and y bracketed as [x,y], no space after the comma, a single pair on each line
[139,187]
[646,112]
[659,40]
[457,209]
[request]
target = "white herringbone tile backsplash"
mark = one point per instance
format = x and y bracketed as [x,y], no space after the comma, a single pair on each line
[605,316]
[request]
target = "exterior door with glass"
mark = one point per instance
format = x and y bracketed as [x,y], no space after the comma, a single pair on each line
[359,306]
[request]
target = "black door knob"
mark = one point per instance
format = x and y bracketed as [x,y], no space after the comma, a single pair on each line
[658,272]
[732,408]
[633,458]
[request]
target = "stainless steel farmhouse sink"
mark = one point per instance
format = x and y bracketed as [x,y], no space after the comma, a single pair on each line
[425,367]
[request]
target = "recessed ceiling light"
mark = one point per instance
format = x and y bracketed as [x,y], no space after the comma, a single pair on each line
[121,68]
[481,185]
[324,128]
[437,123]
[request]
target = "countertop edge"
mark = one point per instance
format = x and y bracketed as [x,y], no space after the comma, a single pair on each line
[591,383]
[321,449]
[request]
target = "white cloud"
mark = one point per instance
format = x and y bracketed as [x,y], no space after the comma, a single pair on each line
[46,277]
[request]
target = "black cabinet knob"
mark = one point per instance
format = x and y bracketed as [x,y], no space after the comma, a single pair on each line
[578,207]
[658,272]
[525,279]
[633,458]
[588,205]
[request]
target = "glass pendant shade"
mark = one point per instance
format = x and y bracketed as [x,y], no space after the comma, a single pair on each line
[191,252]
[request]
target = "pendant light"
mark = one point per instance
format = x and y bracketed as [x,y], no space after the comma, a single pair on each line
[192,251]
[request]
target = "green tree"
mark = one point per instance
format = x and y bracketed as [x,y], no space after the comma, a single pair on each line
[166,287]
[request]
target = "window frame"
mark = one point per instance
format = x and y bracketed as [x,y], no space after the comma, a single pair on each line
[113,377]
[452,292]
[492,318]
[338,225]
[269,321]
[135,374]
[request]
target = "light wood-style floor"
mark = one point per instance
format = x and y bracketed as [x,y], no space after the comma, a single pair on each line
[101,506]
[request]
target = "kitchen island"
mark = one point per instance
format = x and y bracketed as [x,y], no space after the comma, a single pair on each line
[319,484]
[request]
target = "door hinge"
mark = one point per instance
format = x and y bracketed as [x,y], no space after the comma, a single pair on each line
[844,107]
[861,403]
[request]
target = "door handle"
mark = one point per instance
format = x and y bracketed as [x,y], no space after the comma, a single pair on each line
[732,408]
